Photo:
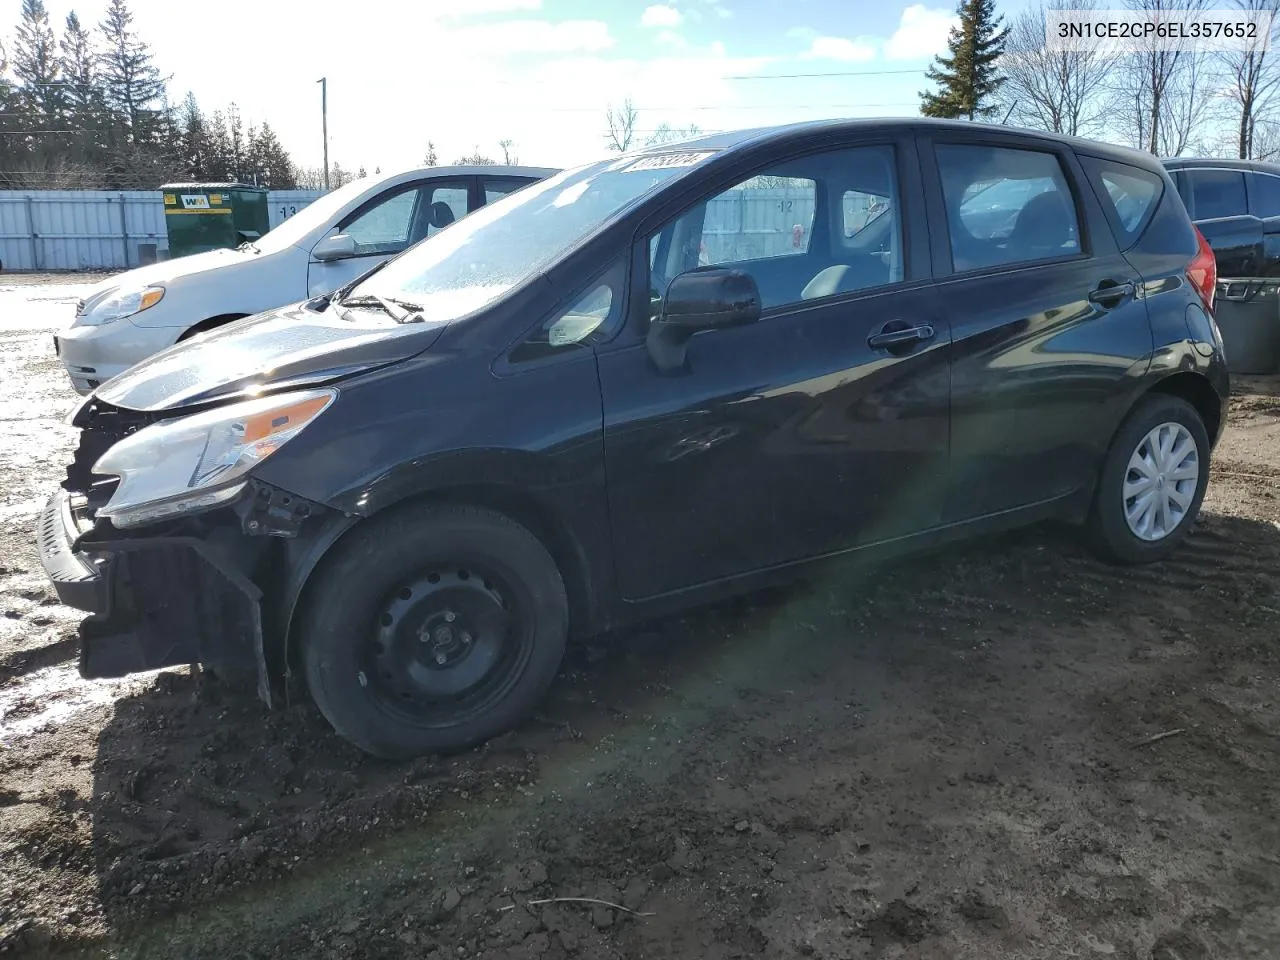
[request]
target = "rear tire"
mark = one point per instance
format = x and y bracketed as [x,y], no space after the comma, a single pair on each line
[1152,482]
[432,629]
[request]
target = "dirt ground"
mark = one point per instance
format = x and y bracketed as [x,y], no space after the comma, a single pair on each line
[1004,750]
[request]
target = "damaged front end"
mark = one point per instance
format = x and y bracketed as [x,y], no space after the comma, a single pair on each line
[185,588]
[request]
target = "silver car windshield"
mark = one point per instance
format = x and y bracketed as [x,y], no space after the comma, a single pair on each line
[481,257]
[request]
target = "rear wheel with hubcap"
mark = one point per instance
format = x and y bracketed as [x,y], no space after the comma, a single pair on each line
[1152,481]
[433,629]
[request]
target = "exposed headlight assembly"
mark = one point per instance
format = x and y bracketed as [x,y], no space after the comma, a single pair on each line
[120,303]
[199,462]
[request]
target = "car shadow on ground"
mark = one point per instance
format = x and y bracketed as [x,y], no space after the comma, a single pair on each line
[201,794]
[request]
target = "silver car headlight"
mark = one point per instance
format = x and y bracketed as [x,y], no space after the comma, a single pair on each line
[199,462]
[120,303]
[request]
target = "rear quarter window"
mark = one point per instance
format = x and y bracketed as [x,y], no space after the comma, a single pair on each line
[1130,196]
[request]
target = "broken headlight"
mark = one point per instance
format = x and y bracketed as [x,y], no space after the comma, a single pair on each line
[199,462]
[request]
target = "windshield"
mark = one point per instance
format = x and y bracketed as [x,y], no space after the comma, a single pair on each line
[479,259]
[313,215]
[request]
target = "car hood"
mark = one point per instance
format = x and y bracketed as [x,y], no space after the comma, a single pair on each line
[167,271]
[286,348]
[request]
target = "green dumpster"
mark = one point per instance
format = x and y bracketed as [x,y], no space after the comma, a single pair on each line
[213,216]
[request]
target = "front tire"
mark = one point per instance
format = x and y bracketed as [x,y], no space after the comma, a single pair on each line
[1152,482]
[432,629]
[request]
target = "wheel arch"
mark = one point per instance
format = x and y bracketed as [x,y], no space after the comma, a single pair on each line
[552,530]
[209,323]
[1196,389]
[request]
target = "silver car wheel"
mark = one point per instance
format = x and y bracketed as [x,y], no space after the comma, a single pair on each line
[1160,483]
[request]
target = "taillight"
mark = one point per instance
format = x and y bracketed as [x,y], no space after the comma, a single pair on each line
[1202,271]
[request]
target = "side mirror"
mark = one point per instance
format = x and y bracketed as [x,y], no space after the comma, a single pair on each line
[698,301]
[340,247]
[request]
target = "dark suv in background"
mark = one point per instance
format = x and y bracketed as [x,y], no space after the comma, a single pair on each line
[640,385]
[1236,205]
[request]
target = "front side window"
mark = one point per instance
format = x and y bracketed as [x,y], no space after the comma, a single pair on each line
[413,213]
[815,227]
[1006,206]
[1217,193]
[496,189]
[384,228]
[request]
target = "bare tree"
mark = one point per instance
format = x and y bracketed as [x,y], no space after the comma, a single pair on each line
[508,154]
[665,133]
[430,159]
[1148,79]
[1251,79]
[622,125]
[1062,91]
[475,159]
[1186,117]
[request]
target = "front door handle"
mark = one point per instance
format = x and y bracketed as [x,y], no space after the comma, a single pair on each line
[888,339]
[1110,292]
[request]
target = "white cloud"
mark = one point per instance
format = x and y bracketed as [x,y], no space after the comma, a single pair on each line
[921,33]
[457,9]
[661,16]
[838,48]
[534,36]
[672,39]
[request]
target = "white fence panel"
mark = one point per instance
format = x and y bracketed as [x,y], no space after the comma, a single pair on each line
[98,229]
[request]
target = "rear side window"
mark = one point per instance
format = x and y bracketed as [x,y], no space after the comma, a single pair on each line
[1266,195]
[1217,193]
[1006,206]
[1129,196]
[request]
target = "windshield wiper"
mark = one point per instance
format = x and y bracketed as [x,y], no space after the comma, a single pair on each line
[400,311]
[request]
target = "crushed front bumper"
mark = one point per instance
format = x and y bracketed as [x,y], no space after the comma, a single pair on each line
[153,602]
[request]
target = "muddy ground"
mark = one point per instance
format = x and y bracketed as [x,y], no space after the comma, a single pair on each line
[1005,750]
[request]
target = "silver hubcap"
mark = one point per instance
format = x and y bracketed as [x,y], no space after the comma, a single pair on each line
[1160,483]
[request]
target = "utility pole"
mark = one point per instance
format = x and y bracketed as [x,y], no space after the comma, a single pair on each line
[324,125]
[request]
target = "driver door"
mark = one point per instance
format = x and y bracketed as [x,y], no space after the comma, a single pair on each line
[389,224]
[809,431]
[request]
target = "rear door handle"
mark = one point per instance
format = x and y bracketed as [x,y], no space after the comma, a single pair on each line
[1111,292]
[901,337]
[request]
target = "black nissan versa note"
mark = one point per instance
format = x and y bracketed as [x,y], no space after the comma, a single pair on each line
[638,385]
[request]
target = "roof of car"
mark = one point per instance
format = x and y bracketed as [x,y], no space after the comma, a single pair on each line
[1223,163]
[736,138]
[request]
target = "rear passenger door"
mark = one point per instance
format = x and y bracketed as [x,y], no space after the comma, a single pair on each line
[1046,329]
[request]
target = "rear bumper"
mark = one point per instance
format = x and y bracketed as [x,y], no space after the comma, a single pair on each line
[154,602]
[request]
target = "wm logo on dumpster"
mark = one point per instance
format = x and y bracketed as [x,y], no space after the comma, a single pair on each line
[197,201]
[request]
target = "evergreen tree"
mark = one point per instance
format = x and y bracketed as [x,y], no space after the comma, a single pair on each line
[969,74]
[35,65]
[133,86]
[196,149]
[219,167]
[430,159]
[275,169]
[237,147]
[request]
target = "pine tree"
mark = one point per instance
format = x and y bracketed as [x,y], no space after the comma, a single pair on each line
[237,147]
[219,167]
[84,109]
[276,170]
[969,75]
[195,150]
[430,159]
[133,86]
[35,64]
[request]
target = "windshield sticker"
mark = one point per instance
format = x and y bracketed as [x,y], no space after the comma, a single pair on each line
[667,160]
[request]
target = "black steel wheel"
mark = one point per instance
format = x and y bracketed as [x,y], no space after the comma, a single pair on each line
[432,629]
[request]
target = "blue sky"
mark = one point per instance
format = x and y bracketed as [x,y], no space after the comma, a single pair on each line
[468,73]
